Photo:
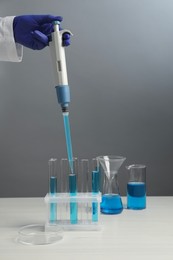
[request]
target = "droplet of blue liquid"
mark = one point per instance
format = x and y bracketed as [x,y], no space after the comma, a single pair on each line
[111,204]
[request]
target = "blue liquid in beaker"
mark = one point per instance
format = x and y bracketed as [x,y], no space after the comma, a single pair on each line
[136,195]
[111,204]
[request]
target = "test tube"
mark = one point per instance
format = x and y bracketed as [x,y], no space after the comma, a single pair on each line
[84,175]
[73,192]
[95,189]
[85,208]
[64,207]
[53,187]
[64,175]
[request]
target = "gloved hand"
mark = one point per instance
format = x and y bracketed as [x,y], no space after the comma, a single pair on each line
[33,31]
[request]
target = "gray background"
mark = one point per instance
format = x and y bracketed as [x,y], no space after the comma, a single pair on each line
[120,69]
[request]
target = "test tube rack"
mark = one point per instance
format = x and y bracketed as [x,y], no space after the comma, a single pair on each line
[87,206]
[73,201]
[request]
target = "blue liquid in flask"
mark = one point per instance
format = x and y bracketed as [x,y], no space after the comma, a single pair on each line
[136,195]
[111,204]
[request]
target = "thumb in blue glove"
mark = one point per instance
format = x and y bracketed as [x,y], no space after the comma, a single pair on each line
[33,31]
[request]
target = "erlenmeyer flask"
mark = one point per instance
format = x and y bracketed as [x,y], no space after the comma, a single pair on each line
[111,199]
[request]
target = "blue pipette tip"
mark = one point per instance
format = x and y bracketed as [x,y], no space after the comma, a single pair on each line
[68,139]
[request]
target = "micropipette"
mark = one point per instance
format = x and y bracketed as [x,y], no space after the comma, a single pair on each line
[63,95]
[61,80]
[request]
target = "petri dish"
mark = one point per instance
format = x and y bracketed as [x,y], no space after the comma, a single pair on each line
[36,234]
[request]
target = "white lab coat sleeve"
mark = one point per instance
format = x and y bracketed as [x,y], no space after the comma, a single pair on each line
[9,49]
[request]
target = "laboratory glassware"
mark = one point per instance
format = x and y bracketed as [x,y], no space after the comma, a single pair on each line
[73,191]
[36,234]
[53,187]
[78,206]
[83,186]
[84,175]
[136,187]
[64,179]
[111,199]
[95,188]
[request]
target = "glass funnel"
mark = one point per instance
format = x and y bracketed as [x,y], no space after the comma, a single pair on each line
[111,199]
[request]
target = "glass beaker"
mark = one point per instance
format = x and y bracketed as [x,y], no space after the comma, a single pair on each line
[111,199]
[136,187]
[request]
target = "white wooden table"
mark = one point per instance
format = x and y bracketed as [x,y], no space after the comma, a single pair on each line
[145,234]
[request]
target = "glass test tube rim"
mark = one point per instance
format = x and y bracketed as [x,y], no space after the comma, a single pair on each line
[136,166]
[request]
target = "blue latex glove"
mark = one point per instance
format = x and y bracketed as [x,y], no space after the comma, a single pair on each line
[33,31]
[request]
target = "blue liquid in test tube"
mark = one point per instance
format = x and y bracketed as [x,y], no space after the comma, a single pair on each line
[73,205]
[72,176]
[136,195]
[53,206]
[53,188]
[95,190]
